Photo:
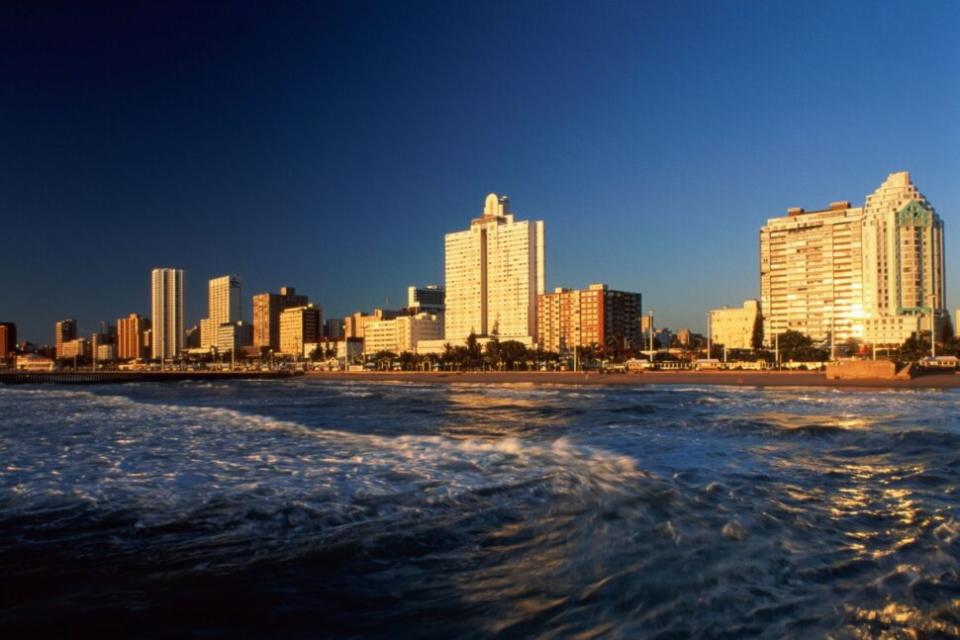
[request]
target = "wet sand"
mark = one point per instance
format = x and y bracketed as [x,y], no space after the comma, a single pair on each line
[737,378]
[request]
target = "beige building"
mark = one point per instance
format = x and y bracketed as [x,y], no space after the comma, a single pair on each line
[298,326]
[166,309]
[811,274]
[402,334]
[64,331]
[233,336]
[494,272]
[76,348]
[735,328]
[223,307]
[355,326]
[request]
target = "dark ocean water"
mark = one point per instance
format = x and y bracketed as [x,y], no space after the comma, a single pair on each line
[347,510]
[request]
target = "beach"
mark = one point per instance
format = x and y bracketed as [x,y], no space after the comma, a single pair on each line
[737,378]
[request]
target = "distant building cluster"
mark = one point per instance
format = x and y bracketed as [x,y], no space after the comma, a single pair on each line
[871,273]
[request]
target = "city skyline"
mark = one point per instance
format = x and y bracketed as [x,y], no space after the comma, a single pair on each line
[641,153]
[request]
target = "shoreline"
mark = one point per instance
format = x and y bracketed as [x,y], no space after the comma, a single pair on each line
[729,378]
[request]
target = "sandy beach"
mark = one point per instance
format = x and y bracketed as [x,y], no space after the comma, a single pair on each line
[737,378]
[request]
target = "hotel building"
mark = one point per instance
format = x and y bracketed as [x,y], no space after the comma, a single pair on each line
[735,328]
[130,337]
[872,273]
[298,326]
[595,316]
[267,308]
[166,309]
[494,272]
[64,331]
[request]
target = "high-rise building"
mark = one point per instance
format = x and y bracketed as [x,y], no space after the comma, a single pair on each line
[267,308]
[903,263]
[223,307]
[167,313]
[873,273]
[736,328]
[494,272]
[355,326]
[595,316]
[64,331]
[299,325]
[8,339]
[130,337]
[811,273]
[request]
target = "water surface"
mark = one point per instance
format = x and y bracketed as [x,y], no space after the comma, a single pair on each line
[313,508]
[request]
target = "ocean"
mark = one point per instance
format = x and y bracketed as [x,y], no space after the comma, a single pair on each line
[337,509]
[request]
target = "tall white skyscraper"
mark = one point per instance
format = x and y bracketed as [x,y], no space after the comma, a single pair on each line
[494,272]
[167,313]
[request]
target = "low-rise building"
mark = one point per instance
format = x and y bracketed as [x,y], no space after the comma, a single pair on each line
[34,362]
[737,328]
[402,334]
[233,336]
[105,352]
[78,348]
[298,326]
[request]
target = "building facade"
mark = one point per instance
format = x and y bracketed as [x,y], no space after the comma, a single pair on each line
[64,331]
[903,263]
[737,328]
[873,273]
[593,317]
[267,308]
[402,334]
[223,307]
[130,337]
[233,336]
[298,326]
[811,274]
[166,309]
[494,272]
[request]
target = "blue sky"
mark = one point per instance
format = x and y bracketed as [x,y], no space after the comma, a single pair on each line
[329,146]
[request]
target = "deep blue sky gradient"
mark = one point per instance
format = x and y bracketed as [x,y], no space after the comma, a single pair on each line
[329,146]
